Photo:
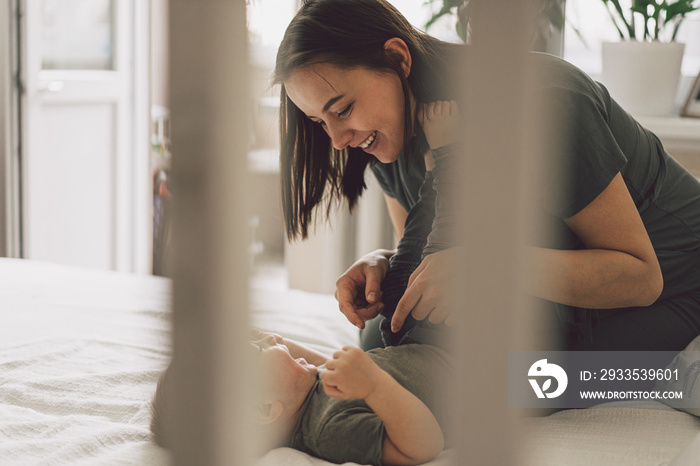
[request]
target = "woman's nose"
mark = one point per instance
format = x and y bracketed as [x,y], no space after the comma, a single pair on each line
[340,136]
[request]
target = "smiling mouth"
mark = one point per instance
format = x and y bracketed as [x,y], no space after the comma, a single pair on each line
[368,142]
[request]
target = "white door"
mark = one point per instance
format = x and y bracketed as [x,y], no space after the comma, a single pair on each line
[80,163]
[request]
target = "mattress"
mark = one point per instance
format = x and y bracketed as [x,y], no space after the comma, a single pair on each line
[627,433]
[81,351]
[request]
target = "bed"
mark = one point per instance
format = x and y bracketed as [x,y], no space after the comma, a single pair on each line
[81,352]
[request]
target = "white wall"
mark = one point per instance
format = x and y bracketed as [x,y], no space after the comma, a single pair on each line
[4,121]
[335,246]
[159,53]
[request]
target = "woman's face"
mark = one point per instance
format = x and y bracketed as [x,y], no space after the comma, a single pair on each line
[357,107]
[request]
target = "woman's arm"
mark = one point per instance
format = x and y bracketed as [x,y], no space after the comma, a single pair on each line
[619,268]
[413,435]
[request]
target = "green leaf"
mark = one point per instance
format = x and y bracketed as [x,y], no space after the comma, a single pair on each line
[681,7]
[461,31]
[443,11]
[629,23]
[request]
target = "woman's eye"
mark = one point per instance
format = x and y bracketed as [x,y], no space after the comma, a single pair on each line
[345,111]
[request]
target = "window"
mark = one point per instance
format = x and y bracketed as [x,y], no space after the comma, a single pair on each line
[77,34]
[595,26]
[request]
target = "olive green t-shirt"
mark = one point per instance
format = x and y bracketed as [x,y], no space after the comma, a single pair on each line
[348,430]
[593,139]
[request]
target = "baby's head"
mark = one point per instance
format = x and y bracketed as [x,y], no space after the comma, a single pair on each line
[284,384]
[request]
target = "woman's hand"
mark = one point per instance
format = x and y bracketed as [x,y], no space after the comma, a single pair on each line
[428,292]
[440,122]
[350,374]
[358,290]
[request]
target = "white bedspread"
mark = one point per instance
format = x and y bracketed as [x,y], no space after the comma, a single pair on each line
[628,433]
[81,352]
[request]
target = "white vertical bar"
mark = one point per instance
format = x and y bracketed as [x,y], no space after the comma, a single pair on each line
[123,218]
[29,68]
[15,99]
[490,176]
[142,200]
[5,118]
[209,98]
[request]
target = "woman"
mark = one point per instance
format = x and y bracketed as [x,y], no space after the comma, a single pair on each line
[355,76]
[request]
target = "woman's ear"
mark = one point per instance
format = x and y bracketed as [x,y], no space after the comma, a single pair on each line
[399,47]
[267,413]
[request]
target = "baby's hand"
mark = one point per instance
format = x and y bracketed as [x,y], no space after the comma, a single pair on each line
[440,122]
[257,335]
[350,374]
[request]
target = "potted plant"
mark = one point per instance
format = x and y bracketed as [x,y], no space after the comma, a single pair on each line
[643,69]
[546,34]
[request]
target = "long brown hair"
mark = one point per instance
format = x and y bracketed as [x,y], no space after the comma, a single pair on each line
[346,34]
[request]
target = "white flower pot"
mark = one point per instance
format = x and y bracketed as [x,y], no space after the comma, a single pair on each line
[643,76]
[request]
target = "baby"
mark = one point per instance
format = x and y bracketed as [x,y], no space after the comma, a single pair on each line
[378,407]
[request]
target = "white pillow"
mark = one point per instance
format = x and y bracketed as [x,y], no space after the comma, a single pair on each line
[687,362]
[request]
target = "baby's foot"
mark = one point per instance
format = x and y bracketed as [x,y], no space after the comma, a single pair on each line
[440,122]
